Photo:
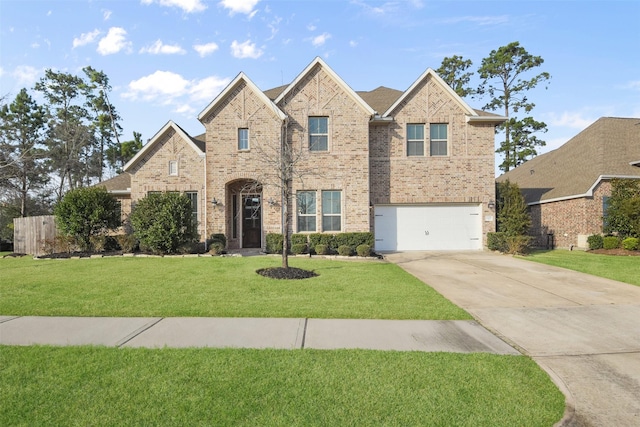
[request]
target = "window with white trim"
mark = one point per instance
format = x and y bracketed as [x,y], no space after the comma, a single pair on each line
[306,211]
[438,139]
[243,139]
[173,167]
[415,140]
[331,210]
[193,198]
[318,133]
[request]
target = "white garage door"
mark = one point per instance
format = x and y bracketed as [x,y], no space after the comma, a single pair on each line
[430,227]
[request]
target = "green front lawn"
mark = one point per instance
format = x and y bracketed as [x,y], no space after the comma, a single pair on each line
[622,268]
[215,287]
[97,386]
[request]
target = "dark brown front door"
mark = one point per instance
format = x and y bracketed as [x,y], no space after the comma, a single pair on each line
[251,221]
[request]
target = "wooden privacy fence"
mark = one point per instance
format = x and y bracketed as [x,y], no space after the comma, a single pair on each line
[30,233]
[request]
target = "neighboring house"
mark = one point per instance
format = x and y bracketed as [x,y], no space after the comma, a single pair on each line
[567,189]
[414,167]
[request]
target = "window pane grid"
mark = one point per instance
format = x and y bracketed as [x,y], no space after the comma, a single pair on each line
[331,211]
[438,139]
[318,133]
[306,211]
[415,140]
[243,139]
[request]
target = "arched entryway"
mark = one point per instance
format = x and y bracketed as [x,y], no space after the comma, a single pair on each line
[244,214]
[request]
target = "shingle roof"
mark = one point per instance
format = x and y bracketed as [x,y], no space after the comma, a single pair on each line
[604,149]
[117,184]
[381,98]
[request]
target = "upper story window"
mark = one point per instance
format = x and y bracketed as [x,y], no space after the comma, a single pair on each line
[415,140]
[438,139]
[318,133]
[243,139]
[173,167]
[306,211]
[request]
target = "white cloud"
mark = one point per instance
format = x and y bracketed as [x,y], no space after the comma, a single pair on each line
[311,27]
[159,48]
[245,50]
[168,88]
[188,6]
[85,38]
[480,20]
[208,88]
[353,43]
[240,6]
[114,41]
[160,86]
[205,49]
[570,120]
[1,71]
[320,40]
[633,85]
[25,74]
[106,14]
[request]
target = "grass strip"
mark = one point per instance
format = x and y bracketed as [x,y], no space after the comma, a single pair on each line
[98,386]
[215,287]
[621,268]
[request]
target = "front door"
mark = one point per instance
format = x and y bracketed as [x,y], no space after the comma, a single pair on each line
[251,221]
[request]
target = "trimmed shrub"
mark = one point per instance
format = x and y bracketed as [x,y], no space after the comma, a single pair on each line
[611,242]
[353,240]
[127,242]
[298,248]
[218,238]
[363,250]
[216,248]
[274,243]
[497,241]
[98,242]
[327,240]
[164,222]
[345,250]
[630,243]
[518,244]
[321,249]
[298,239]
[595,241]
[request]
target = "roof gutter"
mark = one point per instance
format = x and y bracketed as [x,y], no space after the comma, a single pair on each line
[486,119]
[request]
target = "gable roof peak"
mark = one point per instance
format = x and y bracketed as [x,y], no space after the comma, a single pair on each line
[241,78]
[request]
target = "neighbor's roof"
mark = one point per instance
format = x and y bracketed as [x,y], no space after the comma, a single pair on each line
[604,150]
[381,98]
[119,184]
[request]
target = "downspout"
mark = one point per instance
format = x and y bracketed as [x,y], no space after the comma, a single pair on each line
[205,199]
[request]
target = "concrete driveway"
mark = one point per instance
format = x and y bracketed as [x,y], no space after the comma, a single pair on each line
[583,330]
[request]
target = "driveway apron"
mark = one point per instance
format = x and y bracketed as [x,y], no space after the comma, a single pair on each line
[583,330]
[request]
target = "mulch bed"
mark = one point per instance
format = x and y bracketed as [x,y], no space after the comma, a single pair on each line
[286,273]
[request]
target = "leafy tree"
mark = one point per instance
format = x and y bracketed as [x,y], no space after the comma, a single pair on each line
[453,70]
[163,222]
[86,212]
[513,215]
[119,155]
[622,215]
[502,74]
[21,136]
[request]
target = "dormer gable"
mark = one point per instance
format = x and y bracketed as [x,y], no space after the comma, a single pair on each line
[240,79]
[149,146]
[318,62]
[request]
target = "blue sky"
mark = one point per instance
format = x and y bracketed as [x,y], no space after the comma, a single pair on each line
[167,59]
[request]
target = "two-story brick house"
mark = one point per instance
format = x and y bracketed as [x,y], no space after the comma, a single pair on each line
[414,167]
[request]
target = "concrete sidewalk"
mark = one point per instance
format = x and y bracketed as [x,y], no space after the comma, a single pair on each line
[583,330]
[459,336]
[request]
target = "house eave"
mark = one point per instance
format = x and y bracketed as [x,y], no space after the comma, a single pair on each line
[126,192]
[589,192]
[486,119]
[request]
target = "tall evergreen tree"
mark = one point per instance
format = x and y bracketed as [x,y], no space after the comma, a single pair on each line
[453,70]
[118,155]
[502,74]
[23,170]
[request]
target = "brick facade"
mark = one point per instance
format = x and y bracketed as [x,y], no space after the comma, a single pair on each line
[570,221]
[365,162]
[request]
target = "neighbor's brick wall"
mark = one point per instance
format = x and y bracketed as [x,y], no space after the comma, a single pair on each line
[151,173]
[465,175]
[567,219]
